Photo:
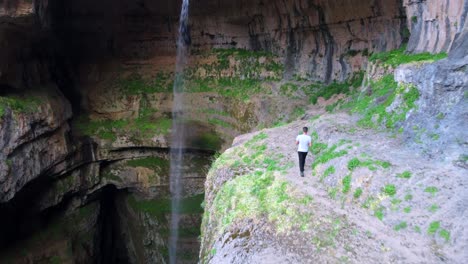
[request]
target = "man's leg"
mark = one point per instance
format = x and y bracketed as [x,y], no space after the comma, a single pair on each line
[302,156]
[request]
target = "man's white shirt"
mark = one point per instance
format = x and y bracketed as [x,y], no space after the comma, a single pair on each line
[304,141]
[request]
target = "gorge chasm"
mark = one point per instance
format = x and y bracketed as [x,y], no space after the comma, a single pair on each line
[86,110]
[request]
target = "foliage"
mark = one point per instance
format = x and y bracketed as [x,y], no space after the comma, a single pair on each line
[433,208]
[433,227]
[404,175]
[323,153]
[445,234]
[316,91]
[432,190]
[379,213]
[328,171]
[20,104]
[401,225]
[346,183]
[389,189]
[408,197]
[369,163]
[144,126]
[256,191]
[357,193]
[399,56]
[374,104]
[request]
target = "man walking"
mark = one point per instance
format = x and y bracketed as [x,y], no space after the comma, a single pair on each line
[303,141]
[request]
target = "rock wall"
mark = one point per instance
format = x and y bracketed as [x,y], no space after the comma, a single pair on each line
[434,24]
[323,40]
[16,8]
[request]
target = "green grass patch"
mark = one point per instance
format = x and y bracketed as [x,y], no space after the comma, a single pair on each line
[401,225]
[445,234]
[330,170]
[332,192]
[253,195]
[323,153]
[433,208]
[433,227]
[407,209]
[399,56]
[373,103]
[298,113]
[346,183]
[369,163]
[432,190]
[316,91]
[404,175]
[353,164]
[143,127]
[357,193]
[379,213]
[389,189]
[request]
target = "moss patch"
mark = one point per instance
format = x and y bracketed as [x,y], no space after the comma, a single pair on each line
[20,104]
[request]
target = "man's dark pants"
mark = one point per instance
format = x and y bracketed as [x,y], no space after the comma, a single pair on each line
[302,158]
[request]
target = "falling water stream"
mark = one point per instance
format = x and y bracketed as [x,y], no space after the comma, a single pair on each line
[178,130]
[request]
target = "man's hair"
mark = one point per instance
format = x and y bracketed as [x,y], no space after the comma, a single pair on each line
[305,129]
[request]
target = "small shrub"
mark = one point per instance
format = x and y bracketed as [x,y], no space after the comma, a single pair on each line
[432,190]
[404,175]
[330,170]
[357,193]
[389,189]
[433,227]
[433,208]
[379,213]
[408,197]
[332,192]
[346,183]
[445,234]
[353,164]
[400,226]
[407,210]
[417,229]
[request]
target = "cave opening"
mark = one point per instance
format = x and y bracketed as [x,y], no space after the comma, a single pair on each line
[111,245]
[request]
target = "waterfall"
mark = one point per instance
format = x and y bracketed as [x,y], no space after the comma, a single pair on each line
[178,130]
